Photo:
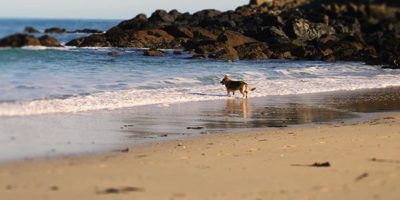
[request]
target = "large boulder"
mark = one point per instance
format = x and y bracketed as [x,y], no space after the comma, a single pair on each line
[179,31]
[395,63]
[162,17]
[30,29]
[306,30]
[137,23]
[234,39]
[153,38]
[205,18]
[204,34]
[19,40]
[226,53]
[277,39]
[49,41]
[203,46]
[95,40]
[254,51]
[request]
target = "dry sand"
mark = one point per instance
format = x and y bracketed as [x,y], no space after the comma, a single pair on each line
[364,159]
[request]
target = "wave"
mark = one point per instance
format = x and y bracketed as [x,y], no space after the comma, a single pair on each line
[138,97]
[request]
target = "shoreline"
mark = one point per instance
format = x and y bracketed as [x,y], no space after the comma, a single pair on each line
[363,158]
[105,131]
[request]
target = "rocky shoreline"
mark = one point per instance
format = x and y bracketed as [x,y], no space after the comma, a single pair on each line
[347,30]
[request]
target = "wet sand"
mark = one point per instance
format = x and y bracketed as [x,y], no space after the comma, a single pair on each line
[278,163]
[48,136]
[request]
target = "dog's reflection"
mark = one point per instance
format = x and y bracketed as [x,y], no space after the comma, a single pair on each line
[237,107]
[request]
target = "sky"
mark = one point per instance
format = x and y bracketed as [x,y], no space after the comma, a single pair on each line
[105,9]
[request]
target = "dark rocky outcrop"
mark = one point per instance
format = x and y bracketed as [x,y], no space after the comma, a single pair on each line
[30,29]
[330,30]
[254,51]
[55,30]
[19,40]
[305,30]
[95,40]
[49,41]
[227,53]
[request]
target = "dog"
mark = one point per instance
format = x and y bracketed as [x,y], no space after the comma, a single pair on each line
[232,86]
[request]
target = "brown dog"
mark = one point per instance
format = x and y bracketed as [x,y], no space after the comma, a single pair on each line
[232,86]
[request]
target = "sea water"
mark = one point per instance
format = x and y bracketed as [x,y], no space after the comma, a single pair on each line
[40,81]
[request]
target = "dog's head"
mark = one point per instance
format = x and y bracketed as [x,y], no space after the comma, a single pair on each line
[224,80]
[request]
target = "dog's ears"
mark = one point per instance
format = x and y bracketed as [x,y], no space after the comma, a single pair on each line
[226,76]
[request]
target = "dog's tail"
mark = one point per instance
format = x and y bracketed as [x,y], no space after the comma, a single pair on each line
[249,89]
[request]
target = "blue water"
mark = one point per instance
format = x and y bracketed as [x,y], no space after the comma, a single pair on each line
[12,26]
[39,80]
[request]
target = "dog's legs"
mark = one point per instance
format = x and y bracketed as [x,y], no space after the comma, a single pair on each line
[244,91]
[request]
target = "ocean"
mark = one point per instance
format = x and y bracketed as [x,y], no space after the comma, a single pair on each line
[38,82]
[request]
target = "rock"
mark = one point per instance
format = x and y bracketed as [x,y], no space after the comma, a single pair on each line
[203,34]
[49,41]
[200,56]
[257,2]
[75,42]
[19,40]
[254,51]
[179,31]
[395,63]
[137,23]
[306,30]
[227,53]
[283,55]
[204,46]
[234,39]
[277,39]
[95,40]
[207,14]
[154,52]
[286,29]
[162,17]
[174,13]
[255,55]
[269,19]
[117,37]
[205,18]
[85,31]
[153,38]
[55,30]
[30,29]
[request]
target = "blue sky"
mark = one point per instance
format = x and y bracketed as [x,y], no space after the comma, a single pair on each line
[104,9]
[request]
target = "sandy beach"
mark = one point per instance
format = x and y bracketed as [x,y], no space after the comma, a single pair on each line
[126,101]
[364,163]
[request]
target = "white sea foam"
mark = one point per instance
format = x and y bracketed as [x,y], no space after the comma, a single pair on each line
[32,48]
[137,97]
